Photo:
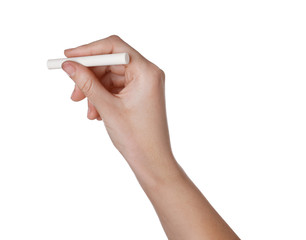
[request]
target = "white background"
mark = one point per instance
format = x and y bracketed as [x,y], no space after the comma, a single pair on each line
[236,96]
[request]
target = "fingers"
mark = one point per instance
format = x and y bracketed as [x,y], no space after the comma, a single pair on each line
[102,84]
[103,46]
[101,70]
[117,69]
[111,81]
[90,86]
[112,44]
[77,94]
[112,73]
[92,112]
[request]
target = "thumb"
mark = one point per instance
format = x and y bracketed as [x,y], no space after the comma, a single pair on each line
[88,83]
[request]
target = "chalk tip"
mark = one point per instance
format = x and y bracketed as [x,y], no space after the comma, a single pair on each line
[127,58]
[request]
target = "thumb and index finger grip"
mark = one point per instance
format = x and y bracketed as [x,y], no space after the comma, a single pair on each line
[92,61]
[86,80]
[88,83]
[109,45]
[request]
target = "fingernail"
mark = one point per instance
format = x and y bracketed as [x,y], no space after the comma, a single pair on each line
[68,68]
[88,111]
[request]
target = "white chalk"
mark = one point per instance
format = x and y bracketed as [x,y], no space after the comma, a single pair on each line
[92,61]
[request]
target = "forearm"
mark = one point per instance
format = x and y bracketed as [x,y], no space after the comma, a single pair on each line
[182,209]
[131,101]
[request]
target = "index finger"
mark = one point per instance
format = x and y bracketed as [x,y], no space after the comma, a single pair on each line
[112,44]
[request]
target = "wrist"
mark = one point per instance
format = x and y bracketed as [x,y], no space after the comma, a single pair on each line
[154,169]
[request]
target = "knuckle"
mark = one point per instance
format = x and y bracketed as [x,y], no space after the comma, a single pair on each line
[157,77]
[158,73]
[115,37]
[162,75]
[86,86]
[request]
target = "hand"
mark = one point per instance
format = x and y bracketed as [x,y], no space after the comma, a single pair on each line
[129,98]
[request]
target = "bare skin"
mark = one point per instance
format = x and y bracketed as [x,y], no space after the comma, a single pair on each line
[131,101]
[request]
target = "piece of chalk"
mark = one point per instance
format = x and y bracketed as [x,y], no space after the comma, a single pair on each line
[92,61]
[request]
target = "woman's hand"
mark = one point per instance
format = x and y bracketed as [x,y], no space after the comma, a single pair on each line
[129,98]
